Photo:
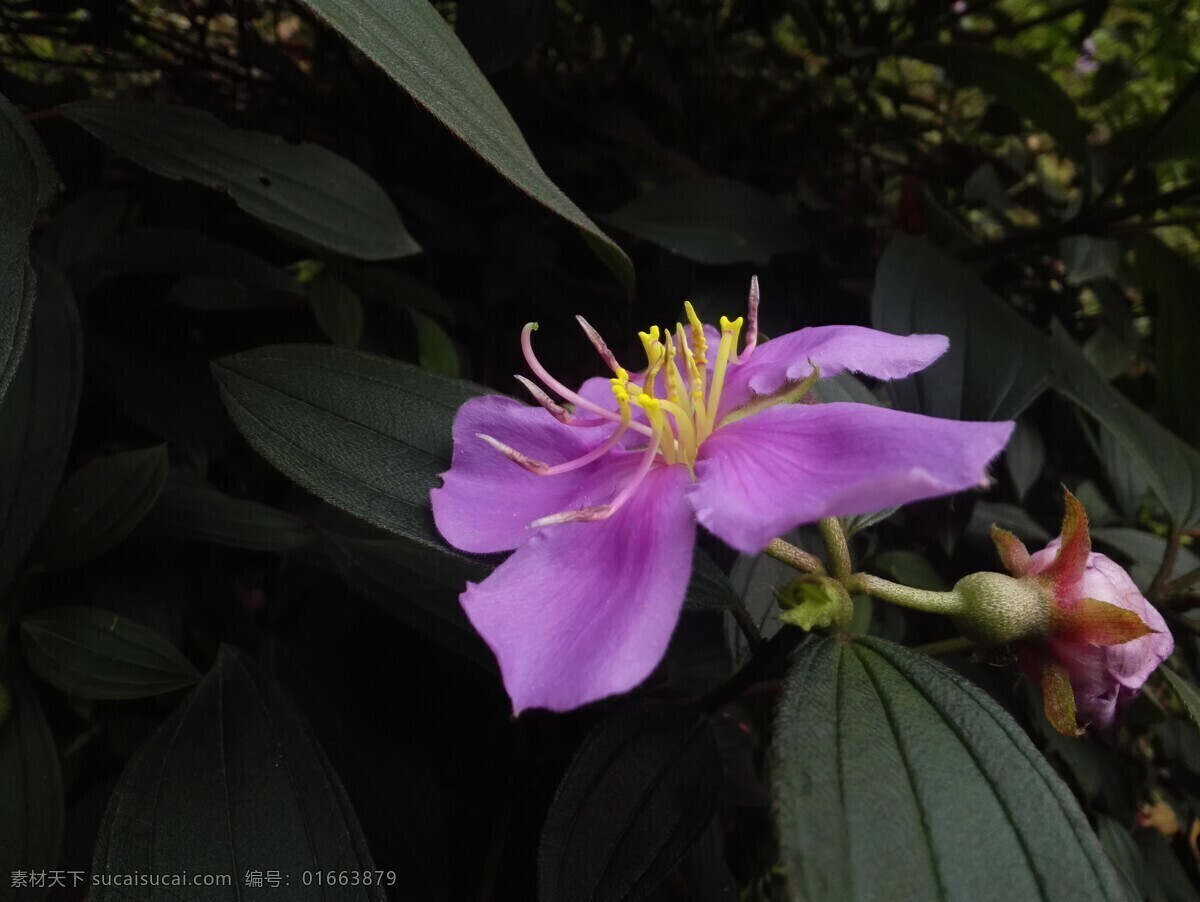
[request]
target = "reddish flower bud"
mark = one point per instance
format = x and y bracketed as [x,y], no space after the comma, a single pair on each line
[1102,640]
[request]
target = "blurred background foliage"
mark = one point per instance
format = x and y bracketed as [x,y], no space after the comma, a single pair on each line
[1019,174]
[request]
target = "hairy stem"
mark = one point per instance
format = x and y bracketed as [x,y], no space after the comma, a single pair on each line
[905,596]
[794,557]
[835,546]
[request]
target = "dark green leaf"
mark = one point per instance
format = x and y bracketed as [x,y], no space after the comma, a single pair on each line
[641,788]
[415,583]
[435,349]
[31,790]
[1016,82]
[29,184]
[301,188]
[237,767]
[1144,551]
[1125,854]
[90,653]
[412,43]
[1025,456]
[336,308]
[190,508]
[1177,330]
[1188,694]
[909,568]
[100,504]
[1169,465]
[216,276]
[997,364]
[366,434]
[37,420]
[709,588]
[712,220]
[985,514]
[1169,882]
[870,730]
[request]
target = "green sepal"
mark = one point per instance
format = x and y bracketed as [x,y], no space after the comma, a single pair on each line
[815,602]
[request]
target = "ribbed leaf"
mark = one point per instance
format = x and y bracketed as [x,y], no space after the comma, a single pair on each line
[712,220]
[29,183]
[302,188]
[1169,465]
[412,43]
[640,790]
[37,420]
[31,790]
[997,364]
[192,509]
[233,781]
[100,504]
[90,653]
[897,779]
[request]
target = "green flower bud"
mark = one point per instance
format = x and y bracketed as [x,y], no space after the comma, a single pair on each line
[996,608]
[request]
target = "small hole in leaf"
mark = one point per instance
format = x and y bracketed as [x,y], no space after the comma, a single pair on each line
[266,182]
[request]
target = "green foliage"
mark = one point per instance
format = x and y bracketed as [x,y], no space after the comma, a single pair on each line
[411,42]
[96,654]
[972,809]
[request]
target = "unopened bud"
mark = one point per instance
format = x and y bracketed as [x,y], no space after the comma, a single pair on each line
[996,608]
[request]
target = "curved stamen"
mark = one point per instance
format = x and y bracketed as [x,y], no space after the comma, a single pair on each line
[729,335]
[561,390]
[751,323]
[529,463]
[604,511]
[557,411]
[609,358]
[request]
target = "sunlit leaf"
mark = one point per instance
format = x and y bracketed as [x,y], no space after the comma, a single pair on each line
[1018,82]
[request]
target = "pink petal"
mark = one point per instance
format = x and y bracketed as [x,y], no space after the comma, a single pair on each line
[761,476]
[834,349]
[486,501]
[585,610]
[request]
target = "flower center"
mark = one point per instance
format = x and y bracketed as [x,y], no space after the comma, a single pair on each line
[678,392]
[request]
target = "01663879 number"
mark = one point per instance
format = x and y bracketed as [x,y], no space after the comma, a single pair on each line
[348,878]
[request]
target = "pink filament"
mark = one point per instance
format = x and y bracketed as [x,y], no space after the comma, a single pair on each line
[561,390]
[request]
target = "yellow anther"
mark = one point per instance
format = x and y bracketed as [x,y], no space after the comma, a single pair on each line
[657,354]
[674,380]
[699,342]
[735,327]
[649,340]
[622,375]
[620,392]
[695,380]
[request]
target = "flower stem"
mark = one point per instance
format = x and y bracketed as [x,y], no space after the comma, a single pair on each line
[794,557]
[1158,586]
[835,546]
[746,624]
[906,596]
[945,647]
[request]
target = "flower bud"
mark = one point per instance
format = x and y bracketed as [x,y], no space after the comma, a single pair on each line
[997,609]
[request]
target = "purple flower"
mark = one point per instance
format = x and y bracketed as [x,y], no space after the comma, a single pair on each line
[601,505]
[1103,639]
